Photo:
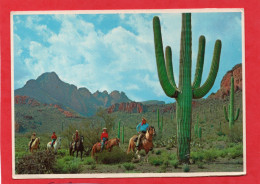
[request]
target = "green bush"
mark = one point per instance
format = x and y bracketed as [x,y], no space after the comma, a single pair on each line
[89,161]
[37,163]
[115,156]
[129,166]
[158,152]
[186,168]
[200,165]
[174,163]
[155,160]
[66,165]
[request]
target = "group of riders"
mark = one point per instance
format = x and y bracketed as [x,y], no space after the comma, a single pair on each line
[141,129]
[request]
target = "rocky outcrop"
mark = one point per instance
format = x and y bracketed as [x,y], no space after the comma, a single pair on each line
[225,83]
[26,100]
[129,107]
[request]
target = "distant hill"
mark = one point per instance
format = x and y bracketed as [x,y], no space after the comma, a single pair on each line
[49,89]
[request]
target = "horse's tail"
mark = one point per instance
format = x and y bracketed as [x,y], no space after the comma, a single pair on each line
[92,151]
[130,146]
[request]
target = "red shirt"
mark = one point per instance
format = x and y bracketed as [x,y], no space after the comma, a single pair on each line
[53,136]
[104,135]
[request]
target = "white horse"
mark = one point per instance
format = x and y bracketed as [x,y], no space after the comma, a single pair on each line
[56,145]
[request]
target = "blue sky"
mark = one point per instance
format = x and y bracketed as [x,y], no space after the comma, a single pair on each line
[116,51]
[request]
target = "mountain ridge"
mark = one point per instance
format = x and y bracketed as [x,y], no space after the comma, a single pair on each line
[49,88]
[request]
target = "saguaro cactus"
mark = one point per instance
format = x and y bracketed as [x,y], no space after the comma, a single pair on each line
[230,115]
[162,123]
[118,133]
[186,91]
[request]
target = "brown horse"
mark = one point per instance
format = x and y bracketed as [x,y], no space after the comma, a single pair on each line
[35,144]
[79,147]
[146,143]
[109,145]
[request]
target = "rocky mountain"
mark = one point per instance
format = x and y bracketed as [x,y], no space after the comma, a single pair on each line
[224,90]
[49,89]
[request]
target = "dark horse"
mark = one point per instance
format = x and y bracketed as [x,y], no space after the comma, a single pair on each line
[79,147]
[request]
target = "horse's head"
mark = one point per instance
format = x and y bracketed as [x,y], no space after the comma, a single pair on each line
[81,138]
[151,130]
[117,141]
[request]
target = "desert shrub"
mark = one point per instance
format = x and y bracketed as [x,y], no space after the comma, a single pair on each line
[89,161]
[197,156]
[174,163]
[186,168]
[158,152]
[61,152]
[155,160]
[115,156]
[66,165]
[210,155]
[129,166]
[93,166]
[235,152]
[37,163]
[200,165]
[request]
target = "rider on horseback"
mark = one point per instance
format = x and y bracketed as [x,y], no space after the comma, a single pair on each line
[75,138]
[141,129]
[104,138]
[53,137]
[33,137]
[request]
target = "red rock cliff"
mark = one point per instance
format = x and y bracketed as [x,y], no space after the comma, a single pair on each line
[225,83]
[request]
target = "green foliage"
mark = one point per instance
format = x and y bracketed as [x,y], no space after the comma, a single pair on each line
[154,160]
[174,163]
[37,163]
[200,165]
[129,166]
[89,161]
[115,156]
[68,165]
[158,152]
[186,168]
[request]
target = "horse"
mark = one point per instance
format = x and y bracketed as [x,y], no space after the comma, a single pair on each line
[56,145]
[35,144]
[79,147]
[109,145]
[146,143]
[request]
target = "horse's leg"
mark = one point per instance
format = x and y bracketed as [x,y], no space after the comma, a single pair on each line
[137,153]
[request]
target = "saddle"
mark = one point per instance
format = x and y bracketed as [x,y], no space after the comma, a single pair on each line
[99,144]
[53,143]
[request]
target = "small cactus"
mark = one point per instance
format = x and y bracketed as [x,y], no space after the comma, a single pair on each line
[230,115]
[118,134]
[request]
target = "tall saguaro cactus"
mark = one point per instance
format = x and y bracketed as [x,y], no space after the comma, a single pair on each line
[230,115]
[186,91]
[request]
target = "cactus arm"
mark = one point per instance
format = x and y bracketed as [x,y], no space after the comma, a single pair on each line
[200,63]
[237,114]
[168,88]
[225,113]
[204,89]
[169,68]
